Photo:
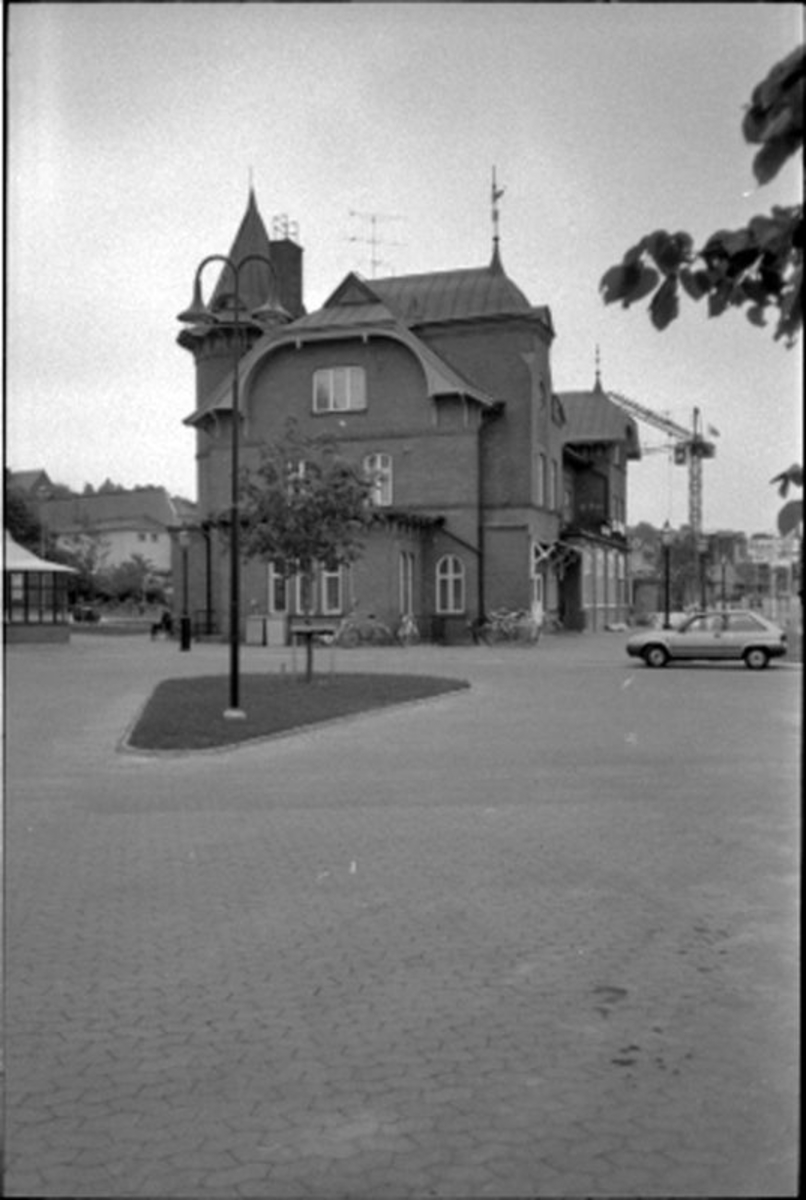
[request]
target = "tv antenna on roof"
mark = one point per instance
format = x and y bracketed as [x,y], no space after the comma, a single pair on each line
[284,230]
[373,241]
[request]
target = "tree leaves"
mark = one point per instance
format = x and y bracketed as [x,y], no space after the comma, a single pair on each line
[304,505]
[759,265]
[665,305]
[775,116]
[790,517]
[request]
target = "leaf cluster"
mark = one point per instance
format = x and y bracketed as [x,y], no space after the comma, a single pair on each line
[304,505]
[760,265]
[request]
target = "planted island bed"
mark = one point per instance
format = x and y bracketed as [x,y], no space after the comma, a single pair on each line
[188,714]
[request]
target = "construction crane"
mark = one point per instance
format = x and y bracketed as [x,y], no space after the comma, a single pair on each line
[690,447]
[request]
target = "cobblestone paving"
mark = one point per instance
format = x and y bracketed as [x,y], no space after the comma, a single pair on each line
[536,939]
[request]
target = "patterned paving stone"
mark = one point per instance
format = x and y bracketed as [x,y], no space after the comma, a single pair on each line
[205,996]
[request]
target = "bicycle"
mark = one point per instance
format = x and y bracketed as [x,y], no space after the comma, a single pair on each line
[355,631]
[505,625]
[407,633]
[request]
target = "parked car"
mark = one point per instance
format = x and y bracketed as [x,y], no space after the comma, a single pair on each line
[88,613]
[733,634]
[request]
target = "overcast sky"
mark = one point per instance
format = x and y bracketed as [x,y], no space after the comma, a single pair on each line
[134,130]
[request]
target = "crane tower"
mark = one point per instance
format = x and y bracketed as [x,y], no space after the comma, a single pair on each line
[690,448]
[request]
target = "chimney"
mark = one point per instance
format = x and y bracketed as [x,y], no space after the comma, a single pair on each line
[286,257]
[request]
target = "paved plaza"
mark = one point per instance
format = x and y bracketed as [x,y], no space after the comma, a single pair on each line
[535,938]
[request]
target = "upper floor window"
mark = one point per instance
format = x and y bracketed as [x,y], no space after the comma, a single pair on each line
[555,484]
[378,468]
[339,389]
[450,585]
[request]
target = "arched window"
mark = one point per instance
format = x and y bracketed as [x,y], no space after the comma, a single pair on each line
[450,585]
[378,468]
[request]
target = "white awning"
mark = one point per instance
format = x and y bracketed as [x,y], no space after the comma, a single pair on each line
[17,558]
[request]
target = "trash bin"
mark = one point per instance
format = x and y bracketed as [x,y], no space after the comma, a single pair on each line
[256,631]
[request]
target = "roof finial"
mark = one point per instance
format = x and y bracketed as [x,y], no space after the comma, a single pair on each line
[496,193]
[597,387]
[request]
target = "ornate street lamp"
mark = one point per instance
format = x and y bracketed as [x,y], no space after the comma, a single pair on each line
[200,314]
[184,621]
[666,539]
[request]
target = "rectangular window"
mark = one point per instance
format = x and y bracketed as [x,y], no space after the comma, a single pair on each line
[555,485]
[406,582]
[304,594]
[378,468]
[587,578]
[541,480]
[278,591]
[339,389]
[331,592]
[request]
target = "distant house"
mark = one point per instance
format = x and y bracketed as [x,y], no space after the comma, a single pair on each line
[34,596]
[124,523]
[36,485]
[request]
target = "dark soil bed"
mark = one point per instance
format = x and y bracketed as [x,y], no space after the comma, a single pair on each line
[188,714]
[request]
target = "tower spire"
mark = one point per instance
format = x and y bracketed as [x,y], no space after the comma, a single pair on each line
[597,386]
[496,194]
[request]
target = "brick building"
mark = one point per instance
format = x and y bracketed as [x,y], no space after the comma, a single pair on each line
[439,386]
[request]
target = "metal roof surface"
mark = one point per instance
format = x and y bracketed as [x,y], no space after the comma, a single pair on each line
[591,417]
[453,295]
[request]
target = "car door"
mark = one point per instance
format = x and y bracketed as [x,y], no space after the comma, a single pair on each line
[701,637]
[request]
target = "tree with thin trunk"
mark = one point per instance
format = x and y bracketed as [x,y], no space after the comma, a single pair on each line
[305,508]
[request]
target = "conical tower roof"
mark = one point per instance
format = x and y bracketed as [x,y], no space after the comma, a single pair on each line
[257,282]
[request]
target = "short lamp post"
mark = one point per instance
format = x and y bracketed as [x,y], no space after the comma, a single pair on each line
[184,620]
[702,554]
[666,539]
[200,314]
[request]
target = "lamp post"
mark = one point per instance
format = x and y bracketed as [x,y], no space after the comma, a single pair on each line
[666,538]
[702,551]
[184,620]
[200,314]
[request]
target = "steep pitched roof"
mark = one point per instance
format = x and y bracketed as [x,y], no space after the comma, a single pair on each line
[592,417]
[30,481]
[257,281]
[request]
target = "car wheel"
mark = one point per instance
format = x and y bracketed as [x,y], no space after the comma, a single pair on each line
[656,656]
[756,658]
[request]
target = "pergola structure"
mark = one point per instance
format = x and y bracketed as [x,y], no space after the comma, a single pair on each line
[35,607]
